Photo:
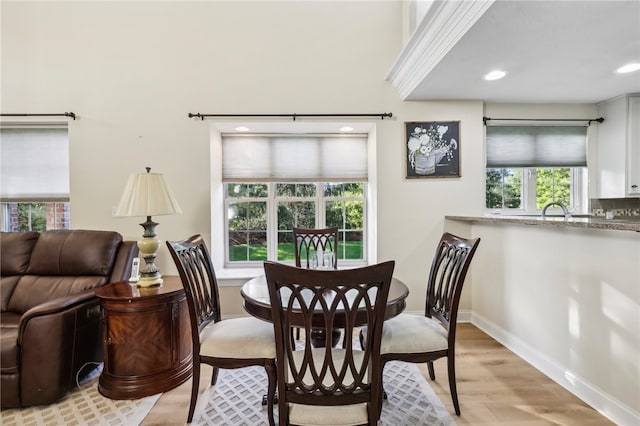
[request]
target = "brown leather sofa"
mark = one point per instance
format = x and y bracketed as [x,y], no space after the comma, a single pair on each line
[50,318]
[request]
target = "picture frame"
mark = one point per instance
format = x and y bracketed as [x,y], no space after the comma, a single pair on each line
[432,149]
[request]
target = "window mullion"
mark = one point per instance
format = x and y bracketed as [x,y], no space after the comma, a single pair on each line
[529,189]
[319,201]
[272,223]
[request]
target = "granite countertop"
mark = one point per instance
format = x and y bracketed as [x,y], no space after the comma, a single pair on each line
[628,223]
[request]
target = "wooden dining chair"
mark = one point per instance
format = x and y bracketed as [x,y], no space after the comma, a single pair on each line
[425,338]
[306,244]
[328,386]
[308,241]
[232,343]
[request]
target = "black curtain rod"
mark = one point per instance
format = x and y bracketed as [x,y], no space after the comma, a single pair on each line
[382,115]
[588,120]
[66,114]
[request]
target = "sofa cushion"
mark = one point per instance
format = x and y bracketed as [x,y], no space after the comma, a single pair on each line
[7,285]
[9,342]
[15,250]
[75,252]
[65,262]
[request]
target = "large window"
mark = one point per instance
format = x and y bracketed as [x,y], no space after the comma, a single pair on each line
[530,166]
[273,183]
[260,218]
[34,177]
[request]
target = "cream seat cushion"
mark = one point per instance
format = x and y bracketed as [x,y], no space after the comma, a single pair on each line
[319,415]
[241,338]
[407,333]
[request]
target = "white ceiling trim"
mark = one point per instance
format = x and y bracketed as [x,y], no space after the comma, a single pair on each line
[442,27]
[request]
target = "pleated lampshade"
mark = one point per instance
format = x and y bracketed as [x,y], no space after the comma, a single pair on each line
[147,194]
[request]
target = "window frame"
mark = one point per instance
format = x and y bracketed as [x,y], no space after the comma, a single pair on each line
[53,201]
[272,200]
[578,192]
[5,214]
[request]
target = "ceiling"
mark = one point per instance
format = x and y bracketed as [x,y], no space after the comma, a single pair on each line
[552,51]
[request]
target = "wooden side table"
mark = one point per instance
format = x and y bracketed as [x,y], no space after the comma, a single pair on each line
[146,336]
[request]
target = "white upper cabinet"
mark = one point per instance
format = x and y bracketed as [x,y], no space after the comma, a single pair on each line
[618,148]
[633,147]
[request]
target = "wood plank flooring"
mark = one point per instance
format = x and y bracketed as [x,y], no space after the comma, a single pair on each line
[495,387]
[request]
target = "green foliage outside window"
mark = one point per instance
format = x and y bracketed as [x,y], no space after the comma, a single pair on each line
[553,184]
[503,188]
[295,206]
[32,217]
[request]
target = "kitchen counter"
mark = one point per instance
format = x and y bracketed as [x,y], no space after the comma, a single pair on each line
[628,223]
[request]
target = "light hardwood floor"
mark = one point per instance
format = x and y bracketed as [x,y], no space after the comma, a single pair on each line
[495,387]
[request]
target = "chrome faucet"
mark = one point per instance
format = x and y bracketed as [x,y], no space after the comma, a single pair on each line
[565,211]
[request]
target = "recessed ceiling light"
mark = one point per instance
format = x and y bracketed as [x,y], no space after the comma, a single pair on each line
[242,129]
[346,129]
[628,68]
[495,75]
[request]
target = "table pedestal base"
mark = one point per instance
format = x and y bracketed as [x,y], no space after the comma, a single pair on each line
[319,338]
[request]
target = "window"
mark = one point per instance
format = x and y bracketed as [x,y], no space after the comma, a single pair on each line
[530,166]
[34,177]
[275,183]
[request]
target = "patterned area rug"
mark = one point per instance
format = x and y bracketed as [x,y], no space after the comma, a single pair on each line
[233,401]
[83,406]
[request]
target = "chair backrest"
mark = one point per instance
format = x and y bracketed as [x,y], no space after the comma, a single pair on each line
[307,241]
[448,271]
[198,277]
[328,300]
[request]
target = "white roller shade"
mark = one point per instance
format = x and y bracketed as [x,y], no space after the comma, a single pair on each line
[294,158]
[536,146]
[34,164]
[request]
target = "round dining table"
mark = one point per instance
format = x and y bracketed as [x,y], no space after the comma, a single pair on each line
[257,302]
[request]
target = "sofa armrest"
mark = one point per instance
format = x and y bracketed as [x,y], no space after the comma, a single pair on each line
[56,306]
[122,266]
[56,340]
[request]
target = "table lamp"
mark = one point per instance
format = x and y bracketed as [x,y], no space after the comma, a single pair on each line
[147,194]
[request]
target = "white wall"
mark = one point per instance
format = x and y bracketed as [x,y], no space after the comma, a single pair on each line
[133,70]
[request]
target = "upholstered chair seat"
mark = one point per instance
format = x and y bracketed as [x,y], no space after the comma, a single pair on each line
[239,338]
[410,333]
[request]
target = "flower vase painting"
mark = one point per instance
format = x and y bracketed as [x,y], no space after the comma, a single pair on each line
[433,149]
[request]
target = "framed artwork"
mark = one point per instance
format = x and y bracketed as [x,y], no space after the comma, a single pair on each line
[432,149]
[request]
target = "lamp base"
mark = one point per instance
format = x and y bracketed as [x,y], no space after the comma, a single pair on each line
[148,247]
[150,281]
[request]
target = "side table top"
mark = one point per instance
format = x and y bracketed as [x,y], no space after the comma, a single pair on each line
[125,290]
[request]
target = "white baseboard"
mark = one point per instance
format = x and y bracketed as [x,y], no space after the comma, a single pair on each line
[604,403]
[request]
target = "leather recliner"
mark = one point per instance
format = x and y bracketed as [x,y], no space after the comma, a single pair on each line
[50,318]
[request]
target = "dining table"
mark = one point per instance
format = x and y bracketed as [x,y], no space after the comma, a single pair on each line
[255,294]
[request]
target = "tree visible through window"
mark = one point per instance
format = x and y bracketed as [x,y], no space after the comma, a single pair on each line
[41,216]
[261,218]
[508,188]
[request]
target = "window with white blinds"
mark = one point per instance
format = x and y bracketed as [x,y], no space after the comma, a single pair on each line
[294,158]
[536,146]
[530,166]
[34,163]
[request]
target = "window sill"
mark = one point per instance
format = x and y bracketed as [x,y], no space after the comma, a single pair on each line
[223,274]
